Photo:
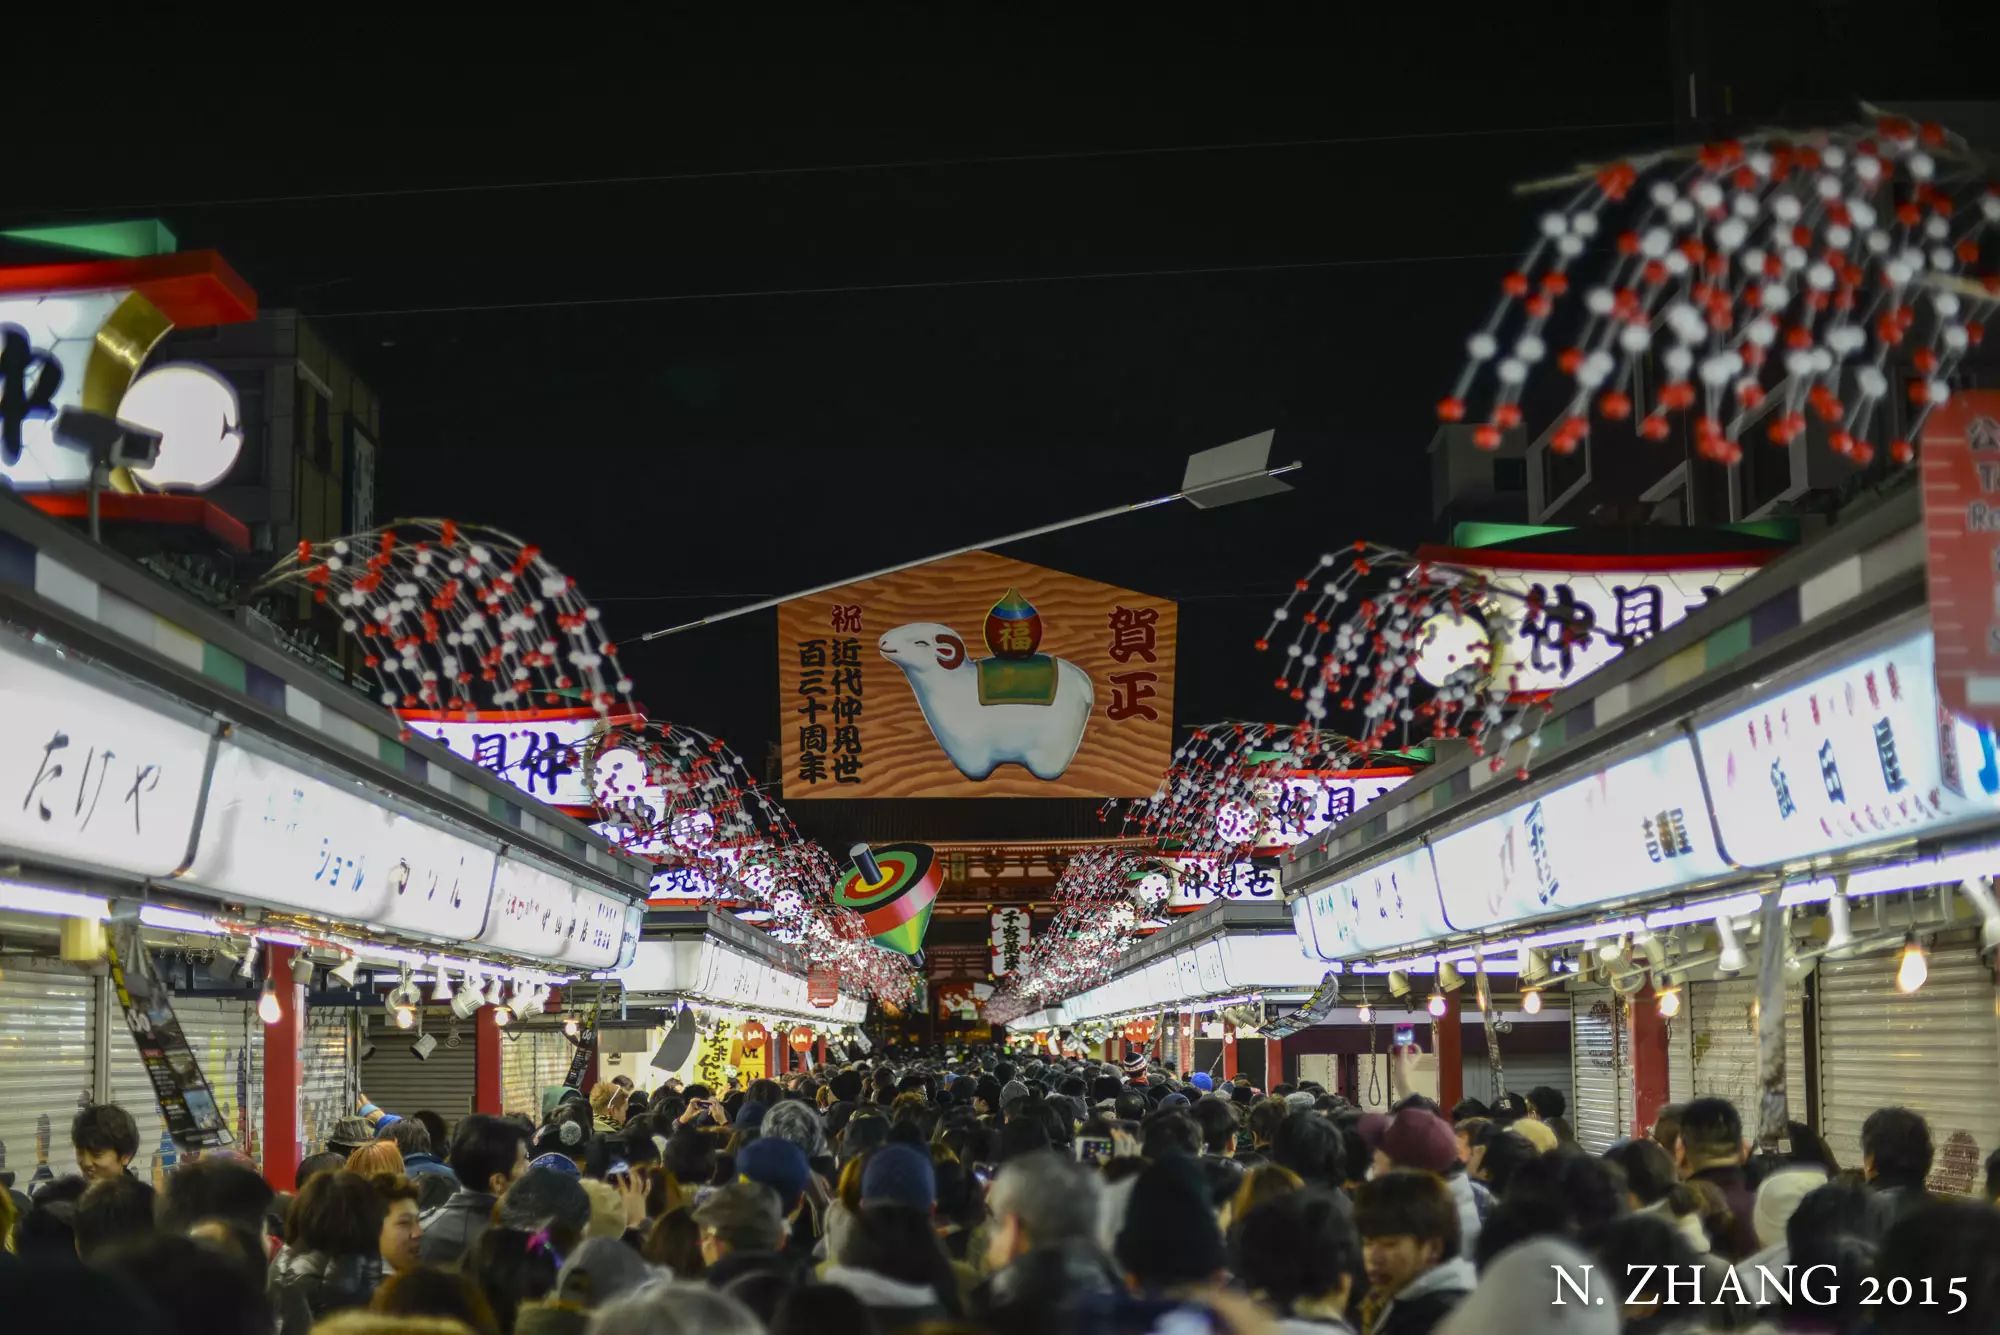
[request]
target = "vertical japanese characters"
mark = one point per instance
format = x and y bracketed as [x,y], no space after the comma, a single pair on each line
[829,708]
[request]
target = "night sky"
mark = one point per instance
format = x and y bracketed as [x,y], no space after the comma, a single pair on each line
[552,363]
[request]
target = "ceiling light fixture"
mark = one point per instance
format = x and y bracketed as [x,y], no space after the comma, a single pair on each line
[1731,959]
[1914,968]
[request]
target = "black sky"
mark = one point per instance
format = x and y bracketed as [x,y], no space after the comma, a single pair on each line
[678,456]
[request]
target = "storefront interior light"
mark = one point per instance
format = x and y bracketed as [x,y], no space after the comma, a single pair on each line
[302,969]
[268,1008]
[493,991]
[1914,968]
[442,991]
[403,1002]
[1437,1005]
[345,972]
[179,920]
[248,968]
[1399,983]
[1449,979]
[1669,1002]
[1978,891]
[570,1026]
[502,1016]
[1531,1001]
[468,1001]
[59,903]
[1731,959]
[1839,916]
[1611,951]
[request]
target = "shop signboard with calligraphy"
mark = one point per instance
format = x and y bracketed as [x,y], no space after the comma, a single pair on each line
[1961,492]
[539,751]
[185,1098]
[1636,827]
[1569,615]
[1011,929]
[1287,812]
[1862,753]
[1383,907]
[976,676]
[1199,882]
[98,779]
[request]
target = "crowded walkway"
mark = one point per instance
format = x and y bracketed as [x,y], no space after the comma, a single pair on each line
[1018,1196]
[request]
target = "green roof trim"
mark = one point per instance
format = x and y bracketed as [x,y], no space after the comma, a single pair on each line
[128,239]
[1485,533]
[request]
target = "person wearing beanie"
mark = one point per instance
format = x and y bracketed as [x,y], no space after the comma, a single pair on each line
[1170,1237]
[1202,1081]
[1011,1093]
[1535,1132]
[779,1165]
[1417,1139]
[544,1196]
[899,1175]
[1778,1198]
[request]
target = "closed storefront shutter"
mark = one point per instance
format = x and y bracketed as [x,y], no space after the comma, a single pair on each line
[328,1090]
[1721,1018]
[1601,1108]
[227,1039]
[1936,1051]
[532,1059]
[1680,1057]
[399,1081]
[1519,1073]
[45,1064]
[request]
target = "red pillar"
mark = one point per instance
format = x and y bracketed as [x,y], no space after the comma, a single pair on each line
[1274,1063]
[282,1044]
[1228,1050]
[486,1096]
[1646,1032]
[819,1051]
[1449,1042]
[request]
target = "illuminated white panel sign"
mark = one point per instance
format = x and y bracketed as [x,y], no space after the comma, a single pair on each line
[1196,882]
[538,752]
[1856,755]
[1591,610]
[1394,904]
[1289,811]
[1639,826]
[100,780]
[274,835]
[540,914]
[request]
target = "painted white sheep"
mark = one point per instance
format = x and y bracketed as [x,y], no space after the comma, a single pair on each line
[979,738]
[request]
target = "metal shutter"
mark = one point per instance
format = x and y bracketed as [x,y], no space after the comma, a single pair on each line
[1680,1057]
[328,1089]
[1601,1111]
[531,1059]
[46,1028]
[1936,1051]
[395,1078]
[1721,1017]
[1520,1072]
[227,1039]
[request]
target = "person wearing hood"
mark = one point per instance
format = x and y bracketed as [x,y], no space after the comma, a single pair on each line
[553,1097]
[1778,1198]
[1514,1293]
[1410,1246]
[892,1260]
[1300,1256]
[1418,1139]
[332,1256]
[1041,1251]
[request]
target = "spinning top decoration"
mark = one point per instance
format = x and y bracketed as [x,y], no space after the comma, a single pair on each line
[893,889]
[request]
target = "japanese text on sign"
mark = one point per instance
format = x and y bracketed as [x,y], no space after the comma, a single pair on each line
[829,708]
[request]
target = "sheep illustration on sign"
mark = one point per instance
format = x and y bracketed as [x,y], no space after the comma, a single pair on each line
[1016,707]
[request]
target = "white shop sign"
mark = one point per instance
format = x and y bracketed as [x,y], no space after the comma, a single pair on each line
[543,757]
[1197,882]
[1634,828]
[1853,756]
[1385,906]
[100,780]
[540,914]
[275,836]
[1287,812]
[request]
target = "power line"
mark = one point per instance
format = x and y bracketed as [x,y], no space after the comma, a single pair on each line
[904,164]
[746,293]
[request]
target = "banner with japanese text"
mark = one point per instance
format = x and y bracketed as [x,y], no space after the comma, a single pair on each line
[1010,940]
[976,676]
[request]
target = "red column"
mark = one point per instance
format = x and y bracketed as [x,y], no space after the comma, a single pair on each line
[1449,1042]
[819,1050]
[1228,1050]
[486,1096]
[282,1043]
[1646,1031]
[1274,1063]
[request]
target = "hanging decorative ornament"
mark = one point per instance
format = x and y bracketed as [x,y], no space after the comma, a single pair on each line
[1746,286]
[801,1039]
[895,905]
[463,619]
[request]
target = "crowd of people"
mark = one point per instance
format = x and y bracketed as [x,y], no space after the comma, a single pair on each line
[1012,1196]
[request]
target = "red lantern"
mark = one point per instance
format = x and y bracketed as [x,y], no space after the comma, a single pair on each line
[801,1039]
[751,1036]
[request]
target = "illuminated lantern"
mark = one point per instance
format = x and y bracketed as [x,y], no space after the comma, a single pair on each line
[751,1036]
[802,1039]
[1013,627]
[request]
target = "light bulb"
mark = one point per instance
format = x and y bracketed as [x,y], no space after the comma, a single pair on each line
[1365,1013]
[268,1009]
[406,1015]
[1437,1005]
[1531,1002]
[501,1015]
[1914,968]
[570,1026]
[1670,1003]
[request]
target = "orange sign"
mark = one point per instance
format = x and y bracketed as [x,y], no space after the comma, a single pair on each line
[976,676]
[1961,487]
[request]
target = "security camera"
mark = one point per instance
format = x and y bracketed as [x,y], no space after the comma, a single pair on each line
[110,442]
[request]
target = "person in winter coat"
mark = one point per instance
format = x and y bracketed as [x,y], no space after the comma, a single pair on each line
[1410,1247]
[332,1257]
[1300,1256]
[1041,1250]
[1514,1294]
[893,1262]
[487,1154]
[1419,1139]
